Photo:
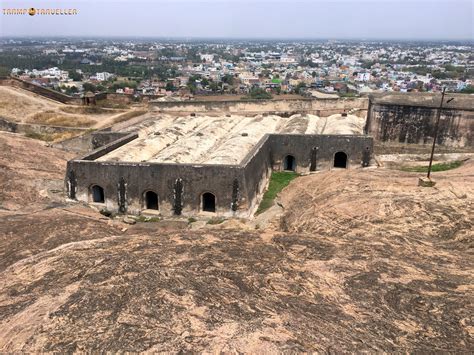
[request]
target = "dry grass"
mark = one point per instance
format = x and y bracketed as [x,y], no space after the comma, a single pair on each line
[52,137]
[57,119]
[85,110]
[16,104]
[128,115]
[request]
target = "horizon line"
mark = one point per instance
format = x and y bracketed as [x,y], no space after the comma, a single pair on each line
[191,38]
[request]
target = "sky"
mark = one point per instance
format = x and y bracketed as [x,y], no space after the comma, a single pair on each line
[256,19]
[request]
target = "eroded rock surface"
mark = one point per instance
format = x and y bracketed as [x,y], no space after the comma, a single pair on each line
[360,261]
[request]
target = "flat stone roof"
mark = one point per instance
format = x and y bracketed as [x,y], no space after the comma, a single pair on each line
[220,140]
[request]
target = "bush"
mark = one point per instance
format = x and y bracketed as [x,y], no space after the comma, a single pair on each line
[258,94]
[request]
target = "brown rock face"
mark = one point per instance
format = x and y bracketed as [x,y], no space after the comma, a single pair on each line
[362,261]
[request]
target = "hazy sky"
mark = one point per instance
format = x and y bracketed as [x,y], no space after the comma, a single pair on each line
[358,19]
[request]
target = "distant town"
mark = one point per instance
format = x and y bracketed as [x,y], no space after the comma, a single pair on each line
[177,70]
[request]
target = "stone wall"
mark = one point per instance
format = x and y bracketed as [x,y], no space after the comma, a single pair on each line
[237,188]
[17,127]
[160,178]
[301,146]
[48,93]
[320,107]
[414,122]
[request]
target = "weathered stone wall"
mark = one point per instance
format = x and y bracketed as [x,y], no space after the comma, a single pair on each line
[301,147]
[321,107]
[48,93]
[415,123]
[121,99]
[240,186]
[257,167]
[17,127]
[160,178]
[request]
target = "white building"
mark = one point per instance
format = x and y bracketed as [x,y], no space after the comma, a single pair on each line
[363,77]
[207,57]
[104,76]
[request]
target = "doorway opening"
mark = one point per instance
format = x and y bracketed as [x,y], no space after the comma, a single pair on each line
[98,195]
[208,202]
[289,163]
[151,200]
[340,160]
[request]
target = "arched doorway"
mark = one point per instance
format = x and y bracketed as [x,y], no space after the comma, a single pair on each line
[340,160]
[97,193]
[289,163]
[151,200]
[208,202]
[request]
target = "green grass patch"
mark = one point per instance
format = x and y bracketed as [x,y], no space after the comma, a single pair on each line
[434,167]
[278,181]
[145,219]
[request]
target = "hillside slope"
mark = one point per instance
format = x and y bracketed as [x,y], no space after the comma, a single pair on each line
[364,261]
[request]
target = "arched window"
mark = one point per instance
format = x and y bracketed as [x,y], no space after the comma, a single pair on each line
[151,200]
[340,160]
[289,163]
[97,193]
[208,202]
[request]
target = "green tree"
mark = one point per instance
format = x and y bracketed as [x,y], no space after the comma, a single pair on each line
[259,94]
[228,79]
[4,72]
[170,86]
[214,86]
[89,87]
[299,88]
[75,76]
[468,90]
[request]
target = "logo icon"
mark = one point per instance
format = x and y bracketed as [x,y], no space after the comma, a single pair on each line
[32,11]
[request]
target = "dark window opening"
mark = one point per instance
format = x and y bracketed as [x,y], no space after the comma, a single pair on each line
[98,194]
[289,163]
[340,160]
[314,153]
[208,202]
[151,200]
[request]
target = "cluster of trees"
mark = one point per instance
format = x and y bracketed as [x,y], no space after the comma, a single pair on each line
[468,90]
[123,84]
[69,90]
[209,84]
[29,60]
[450,71]
[258,94]
[93,88]
[137,71]
[205,83]
[4,72]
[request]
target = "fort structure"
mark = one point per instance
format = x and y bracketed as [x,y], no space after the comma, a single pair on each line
[215,158]
[411,118]
[211,165]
